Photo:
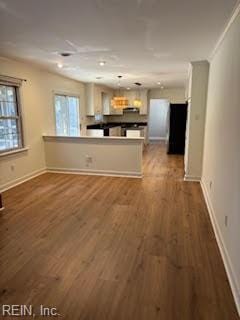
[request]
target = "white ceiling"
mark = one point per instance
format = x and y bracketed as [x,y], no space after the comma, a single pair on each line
[143,40]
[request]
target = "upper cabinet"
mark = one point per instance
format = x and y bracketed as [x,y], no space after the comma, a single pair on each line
[93,100]
[144,98]
[98,100]
[106,102]
[130,95]
[140,94]
[108,109]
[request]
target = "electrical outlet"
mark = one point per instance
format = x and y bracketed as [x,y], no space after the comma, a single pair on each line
[12,167]
[89,160]
[226,221]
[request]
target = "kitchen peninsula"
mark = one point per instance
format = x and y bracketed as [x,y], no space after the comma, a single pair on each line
[114,156]
[109,143]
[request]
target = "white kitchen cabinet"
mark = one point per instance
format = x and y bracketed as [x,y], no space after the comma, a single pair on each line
[98,106]
[114,111]
[95,132]
[98,100]
[141,94]
[144,97]
[133,133]
[90,99]
[130,95]
[106,103]
[93,100]
[141,133]
[107,107]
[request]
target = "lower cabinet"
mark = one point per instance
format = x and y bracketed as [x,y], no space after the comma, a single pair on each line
[133,133]
[141,133]
[95,133]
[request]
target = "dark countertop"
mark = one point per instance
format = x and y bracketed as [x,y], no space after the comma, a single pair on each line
[132,125]
[135,128]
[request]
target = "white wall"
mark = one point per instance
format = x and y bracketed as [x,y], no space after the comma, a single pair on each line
[173,95]
[38,117]
[106,155]
[158,118]
[221,162]
[196,120]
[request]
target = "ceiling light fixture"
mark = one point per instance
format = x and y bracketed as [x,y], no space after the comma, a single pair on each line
[159,83]
[119,101]
[102,63]
[128,88]
[60,65]
[162,87]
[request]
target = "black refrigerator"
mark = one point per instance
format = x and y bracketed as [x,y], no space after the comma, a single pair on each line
[177,119]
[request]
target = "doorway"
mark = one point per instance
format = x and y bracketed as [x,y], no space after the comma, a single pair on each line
[158,120]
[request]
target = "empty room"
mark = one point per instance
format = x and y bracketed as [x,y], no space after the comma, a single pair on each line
[120,159]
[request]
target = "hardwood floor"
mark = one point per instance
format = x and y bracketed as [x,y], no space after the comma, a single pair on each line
[114,248]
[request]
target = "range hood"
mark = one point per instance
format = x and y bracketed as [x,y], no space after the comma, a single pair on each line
[131,110]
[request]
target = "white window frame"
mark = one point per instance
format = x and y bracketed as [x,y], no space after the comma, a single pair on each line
[18,117]
[66,94]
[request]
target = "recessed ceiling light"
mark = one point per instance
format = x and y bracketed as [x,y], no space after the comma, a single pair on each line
[102,63]
[159,83]
[60,65]
[162,87]
[128,88]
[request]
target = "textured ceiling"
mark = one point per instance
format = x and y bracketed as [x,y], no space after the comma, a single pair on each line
[143,40]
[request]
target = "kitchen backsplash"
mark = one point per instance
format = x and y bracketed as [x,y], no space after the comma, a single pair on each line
[127,117]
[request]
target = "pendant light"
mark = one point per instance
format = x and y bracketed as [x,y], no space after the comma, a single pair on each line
[137,102]
[119,101]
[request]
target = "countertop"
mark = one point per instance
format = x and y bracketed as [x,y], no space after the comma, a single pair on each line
[130,125]
[69,138]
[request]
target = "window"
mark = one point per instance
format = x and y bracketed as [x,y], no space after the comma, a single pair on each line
[10,119]
[67,115]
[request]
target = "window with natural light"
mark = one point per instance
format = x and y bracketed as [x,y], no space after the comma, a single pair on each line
[67,115]
[10,119]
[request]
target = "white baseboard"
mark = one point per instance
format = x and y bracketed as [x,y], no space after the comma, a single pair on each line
[36,173]
[96,172]
[18,181]
[223,250]
[192,178]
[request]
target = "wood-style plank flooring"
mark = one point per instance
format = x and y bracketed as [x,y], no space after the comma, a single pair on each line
[114,248]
